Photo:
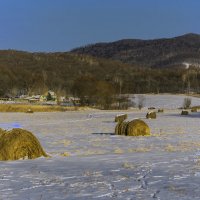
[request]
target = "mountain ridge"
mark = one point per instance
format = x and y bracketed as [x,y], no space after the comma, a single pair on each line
[163,52]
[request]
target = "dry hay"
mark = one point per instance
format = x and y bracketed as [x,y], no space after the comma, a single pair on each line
[120,118]
[135,127]
[19,144]
[184,112]
[194,110]
[151,115]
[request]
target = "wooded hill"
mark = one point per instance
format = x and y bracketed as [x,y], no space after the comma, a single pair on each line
[83,75]
[149,53]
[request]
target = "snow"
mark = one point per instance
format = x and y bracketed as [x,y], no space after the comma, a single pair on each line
[102,165]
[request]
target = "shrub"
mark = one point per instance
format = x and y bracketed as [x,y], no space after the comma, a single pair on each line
[187,102]
[141,101]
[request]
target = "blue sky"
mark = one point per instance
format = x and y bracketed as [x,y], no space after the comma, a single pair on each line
[61,25]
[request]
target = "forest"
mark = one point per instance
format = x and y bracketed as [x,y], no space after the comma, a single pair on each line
[88,77]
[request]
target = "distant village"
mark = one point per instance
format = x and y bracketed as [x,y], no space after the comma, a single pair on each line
[49,98]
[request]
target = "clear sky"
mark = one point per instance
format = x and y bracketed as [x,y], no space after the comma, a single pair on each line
[60,25]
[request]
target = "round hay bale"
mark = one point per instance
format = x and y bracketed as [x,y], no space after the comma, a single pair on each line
[117,132]
[137,127]
[160,110]
[120,128]
[151,115]
[184,112]
[120,118]
[194,110]
[123,128]
[19,144]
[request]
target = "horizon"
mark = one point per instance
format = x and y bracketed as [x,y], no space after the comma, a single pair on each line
[61,26]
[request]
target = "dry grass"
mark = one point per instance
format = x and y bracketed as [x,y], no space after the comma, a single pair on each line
[63,142]
[139,150]
[118,151]
[183,147]
[128,165]
[91,152]
[65,154]
[170,148]
[36,108]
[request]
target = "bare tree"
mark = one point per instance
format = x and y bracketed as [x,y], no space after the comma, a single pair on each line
[141,101]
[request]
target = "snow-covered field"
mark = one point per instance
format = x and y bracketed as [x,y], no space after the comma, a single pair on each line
[89,162]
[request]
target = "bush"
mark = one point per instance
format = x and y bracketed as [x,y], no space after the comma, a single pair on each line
[187,103]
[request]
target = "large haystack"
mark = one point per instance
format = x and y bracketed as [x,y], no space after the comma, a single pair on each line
[137,127]
[19,144]
[151,115]
[120,118]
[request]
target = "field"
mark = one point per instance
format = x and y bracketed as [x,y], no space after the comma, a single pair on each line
[87,161]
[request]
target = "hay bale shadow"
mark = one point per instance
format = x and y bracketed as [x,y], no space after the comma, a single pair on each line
[103,133]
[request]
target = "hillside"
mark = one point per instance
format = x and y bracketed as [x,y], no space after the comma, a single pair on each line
[149,53]
[70,72]
[24,72]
